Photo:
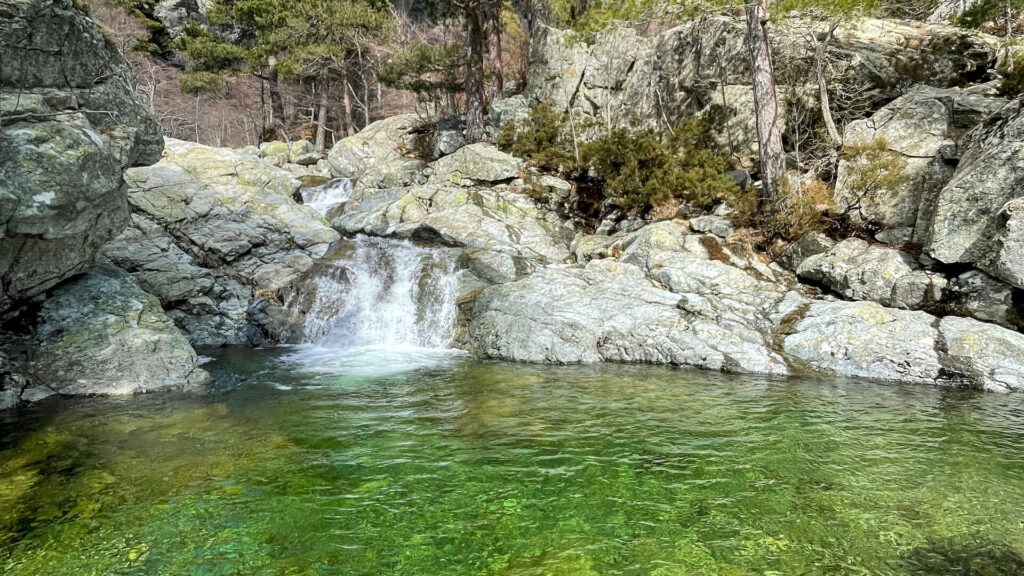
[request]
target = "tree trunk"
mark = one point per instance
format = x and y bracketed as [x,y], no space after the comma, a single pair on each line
[766,105]
[496,81]
[346,120]
[276,105]
[536,15]
[475,75]
[826,106]
[321,120]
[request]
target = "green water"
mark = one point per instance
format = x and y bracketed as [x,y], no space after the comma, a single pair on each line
[487,468]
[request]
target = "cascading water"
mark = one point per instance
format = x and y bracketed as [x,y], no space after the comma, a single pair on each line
[389,306]
[326,196]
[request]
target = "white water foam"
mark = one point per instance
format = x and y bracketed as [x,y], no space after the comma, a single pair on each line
[388,308]
[324,197]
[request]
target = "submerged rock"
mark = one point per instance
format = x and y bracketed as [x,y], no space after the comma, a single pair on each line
[101,334]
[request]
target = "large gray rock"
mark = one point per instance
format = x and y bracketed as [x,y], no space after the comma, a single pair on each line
[863,339]
[216,235]
[476,163]
[987,356]
[71,124]
[101,334]
[858,271]
[175,14]
[948,11]
[606,311]
[382,154]
[977,295]
[915,127]
[808,245]
[496,218]
[923,127]
[975,220]
[1007,258]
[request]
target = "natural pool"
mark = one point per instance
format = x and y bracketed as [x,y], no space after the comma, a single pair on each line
[464,467]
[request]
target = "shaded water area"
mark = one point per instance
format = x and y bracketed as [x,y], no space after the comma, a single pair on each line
[488,468]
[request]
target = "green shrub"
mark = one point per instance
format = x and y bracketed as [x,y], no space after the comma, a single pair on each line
[637,170]
[1013,77]
[873,170]
[645,170]
[545,138]
[799,212]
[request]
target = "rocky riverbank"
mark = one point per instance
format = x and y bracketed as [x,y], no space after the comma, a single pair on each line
[127,250]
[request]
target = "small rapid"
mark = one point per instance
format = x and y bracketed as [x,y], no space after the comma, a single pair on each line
[388,306]
[326,196]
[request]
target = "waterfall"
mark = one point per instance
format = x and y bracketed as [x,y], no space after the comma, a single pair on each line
[386,306]
[326,196]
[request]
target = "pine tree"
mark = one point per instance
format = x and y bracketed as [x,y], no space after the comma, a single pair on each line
[309,41]
[439,72]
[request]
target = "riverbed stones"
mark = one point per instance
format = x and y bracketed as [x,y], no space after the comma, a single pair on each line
[101,334]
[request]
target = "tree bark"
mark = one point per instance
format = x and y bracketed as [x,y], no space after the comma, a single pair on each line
[475,74]
[496,81]
[321,120]
[766,104]
[826,106]
[276,105]
[536,15]
[346,100]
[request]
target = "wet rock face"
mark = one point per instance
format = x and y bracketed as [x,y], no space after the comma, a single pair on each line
[70,124]
[216,236]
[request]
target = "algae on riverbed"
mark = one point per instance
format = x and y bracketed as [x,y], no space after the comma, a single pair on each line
[487,468]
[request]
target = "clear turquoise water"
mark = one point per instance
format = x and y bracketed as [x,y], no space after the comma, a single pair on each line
[489,468]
